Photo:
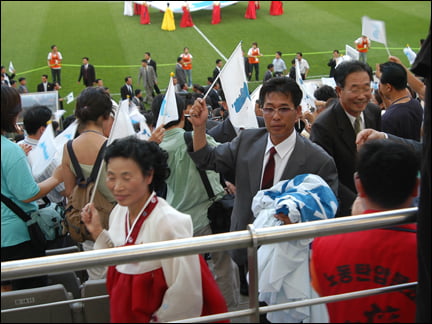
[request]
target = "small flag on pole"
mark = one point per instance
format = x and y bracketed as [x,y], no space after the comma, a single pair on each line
[11,67]
[239,102]
[122,125]
[69,98]
[168,110]
[374,29]
[350,53]
[308,99]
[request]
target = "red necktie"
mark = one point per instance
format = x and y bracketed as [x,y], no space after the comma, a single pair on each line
[267,180]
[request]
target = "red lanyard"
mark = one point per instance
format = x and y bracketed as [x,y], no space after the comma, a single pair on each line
[141,218]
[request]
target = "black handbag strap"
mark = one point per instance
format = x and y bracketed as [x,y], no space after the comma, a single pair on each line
[188,139]
[15,208]
[81,181]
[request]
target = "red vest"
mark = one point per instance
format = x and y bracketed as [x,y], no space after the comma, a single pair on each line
[364,260]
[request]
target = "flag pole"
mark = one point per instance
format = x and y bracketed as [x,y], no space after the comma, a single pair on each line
[388,52]
[218,76]
[212,85]
[102,163]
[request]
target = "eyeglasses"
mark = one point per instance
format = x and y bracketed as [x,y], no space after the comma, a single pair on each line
[357,91]
[282,111]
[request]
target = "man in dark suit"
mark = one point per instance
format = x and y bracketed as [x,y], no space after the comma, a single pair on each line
[152,63]
[87,73]
[45,85]
[248,153]
[217,70]
[179,72]
[127,91]
[334,128]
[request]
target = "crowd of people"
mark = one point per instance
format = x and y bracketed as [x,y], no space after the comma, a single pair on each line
[156,182]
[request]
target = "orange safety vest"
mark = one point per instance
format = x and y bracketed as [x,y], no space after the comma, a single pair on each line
[187,61]
[55,61]
[253,60]
[363,47]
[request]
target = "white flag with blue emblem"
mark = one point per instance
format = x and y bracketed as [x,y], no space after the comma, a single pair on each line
[233,78]
[69,98]
[308,99]
[61,139]
[168,110]
[42,155]
[374,29]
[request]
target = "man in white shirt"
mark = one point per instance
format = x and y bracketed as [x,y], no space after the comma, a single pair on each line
[304,65]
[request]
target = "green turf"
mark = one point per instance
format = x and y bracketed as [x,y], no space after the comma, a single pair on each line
[116,43]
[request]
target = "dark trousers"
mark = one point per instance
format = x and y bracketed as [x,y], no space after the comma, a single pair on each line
[56,75]
[256,67]
[24,250]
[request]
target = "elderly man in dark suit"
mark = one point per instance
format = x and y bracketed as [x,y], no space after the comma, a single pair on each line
[248,153]
[87,73]
[336,127]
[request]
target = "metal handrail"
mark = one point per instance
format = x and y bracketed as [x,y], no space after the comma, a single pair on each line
[216,242]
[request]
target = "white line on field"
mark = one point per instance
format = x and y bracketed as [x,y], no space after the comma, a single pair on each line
[210,43]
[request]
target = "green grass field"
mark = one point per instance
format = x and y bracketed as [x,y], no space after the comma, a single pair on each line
[116,43]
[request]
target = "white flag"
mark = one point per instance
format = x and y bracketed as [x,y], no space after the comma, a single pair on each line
[410,54]
[308,99]
[233,78]
[350,53]
[61,139]
[42,155]
[168,110]
[11,67]
[255,94]
[374,29]
[69,98]
[122,125]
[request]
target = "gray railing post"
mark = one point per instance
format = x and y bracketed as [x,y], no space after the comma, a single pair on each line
[252,252]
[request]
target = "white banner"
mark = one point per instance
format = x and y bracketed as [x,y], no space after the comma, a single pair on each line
[239,102]
[350,53]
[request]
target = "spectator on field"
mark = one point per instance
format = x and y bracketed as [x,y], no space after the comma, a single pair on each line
[22,88]
[180,74]
[303,65]
[18,184]
[45,85]
[147,78]
[336,127]
[269,73]
[280,68]
[6,77]
[254,55]
[55,60]
[187,65]
[87,73]
[386,179]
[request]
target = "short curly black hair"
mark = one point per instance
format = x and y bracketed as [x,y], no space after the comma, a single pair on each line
[148,155]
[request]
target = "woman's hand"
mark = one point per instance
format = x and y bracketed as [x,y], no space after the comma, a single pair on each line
[91,219]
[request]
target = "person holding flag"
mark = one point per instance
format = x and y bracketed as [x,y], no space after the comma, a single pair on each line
[247,154]
[94,112]
[363,44]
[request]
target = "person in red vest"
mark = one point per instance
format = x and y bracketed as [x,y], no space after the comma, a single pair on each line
[276,8]
[363,45]
[386,179]
[253,57]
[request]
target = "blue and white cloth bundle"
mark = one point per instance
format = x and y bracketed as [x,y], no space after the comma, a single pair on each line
[283,268]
